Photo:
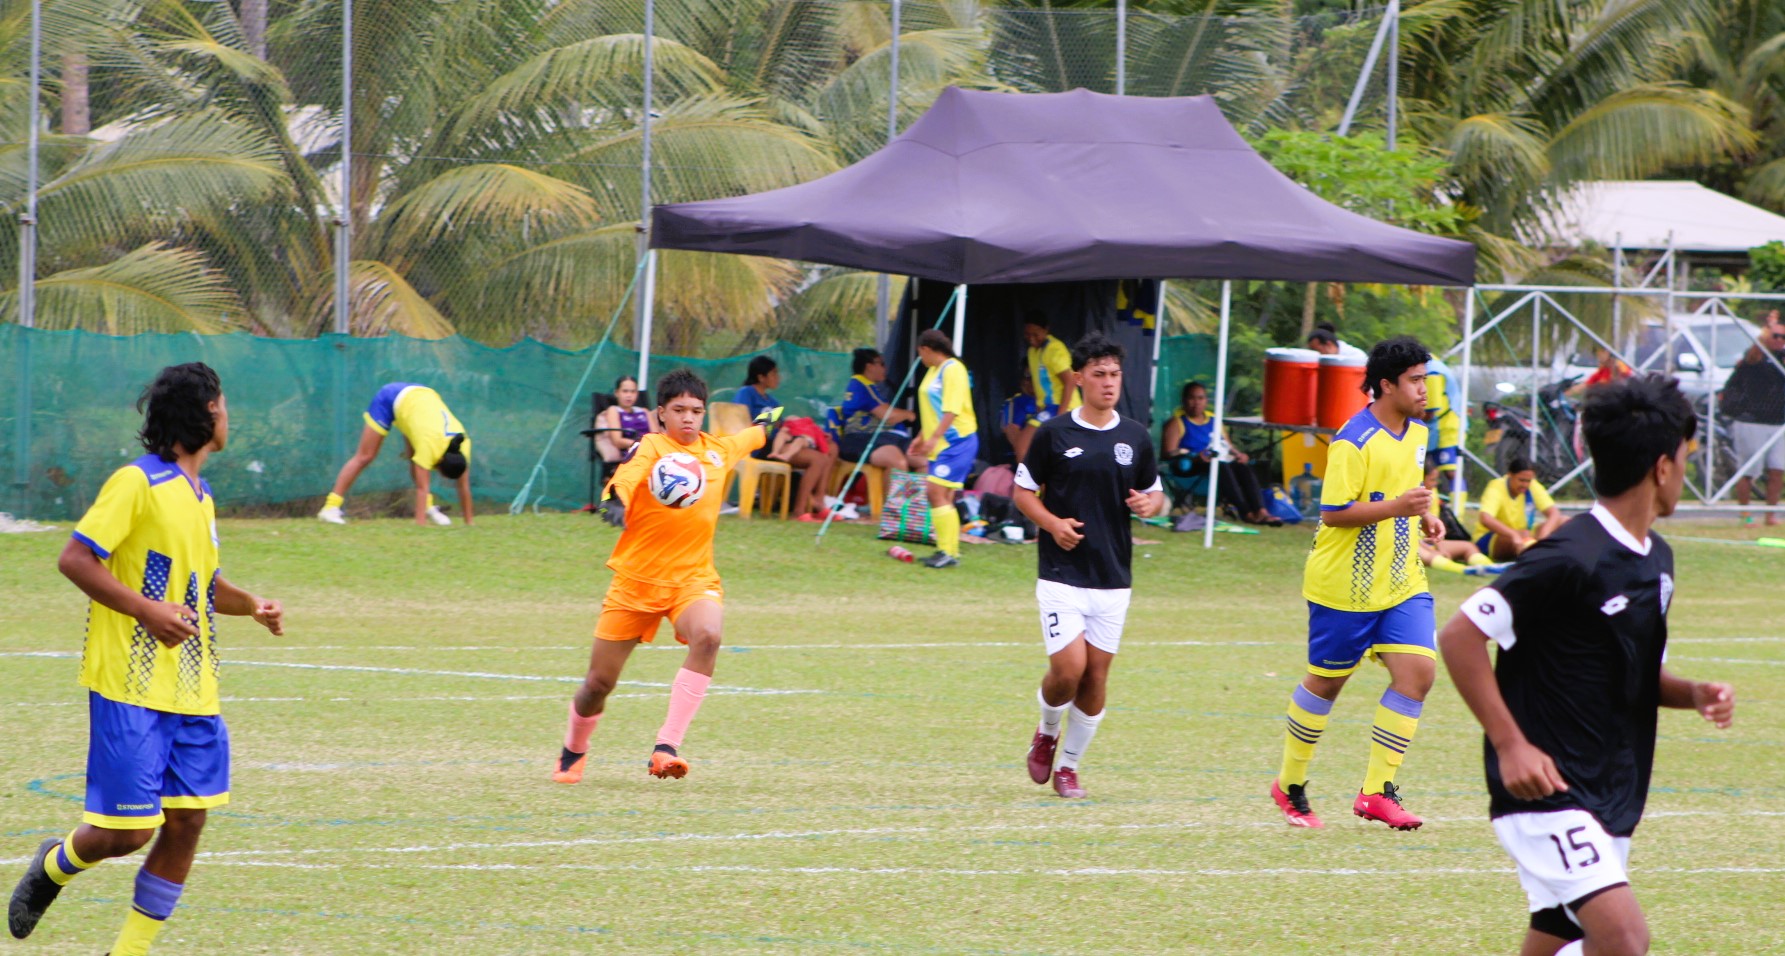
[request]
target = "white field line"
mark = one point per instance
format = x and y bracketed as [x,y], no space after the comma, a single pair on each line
[557,648]
[927,872]
[375,700]
[1731,660]
[1056,827]
[482,675]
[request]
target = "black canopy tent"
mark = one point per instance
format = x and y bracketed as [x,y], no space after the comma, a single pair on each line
[1001,188]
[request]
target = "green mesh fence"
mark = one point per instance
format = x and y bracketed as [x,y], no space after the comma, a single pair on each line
[295,408]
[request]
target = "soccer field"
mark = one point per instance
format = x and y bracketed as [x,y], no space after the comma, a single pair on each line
[857,779]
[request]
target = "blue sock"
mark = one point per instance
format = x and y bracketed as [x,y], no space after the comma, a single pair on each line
[156,897]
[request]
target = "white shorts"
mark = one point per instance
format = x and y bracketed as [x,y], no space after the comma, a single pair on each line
[1748,437]
[1067,612]
[1562,855]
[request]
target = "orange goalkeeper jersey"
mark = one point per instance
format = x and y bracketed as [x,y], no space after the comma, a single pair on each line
[673,547]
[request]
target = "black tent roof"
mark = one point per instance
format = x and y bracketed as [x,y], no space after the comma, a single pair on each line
[1011,187]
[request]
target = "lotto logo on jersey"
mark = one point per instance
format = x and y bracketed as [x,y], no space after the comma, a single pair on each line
[1615,605]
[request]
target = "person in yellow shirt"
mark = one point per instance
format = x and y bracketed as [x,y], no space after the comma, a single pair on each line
[158,750]
[1366,590]
[1516,512]
[1052,381]
[663,568]
[434,440]
[948,435]
[1452,553]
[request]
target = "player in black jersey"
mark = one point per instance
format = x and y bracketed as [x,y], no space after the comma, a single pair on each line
[1085,472]
[1570,706]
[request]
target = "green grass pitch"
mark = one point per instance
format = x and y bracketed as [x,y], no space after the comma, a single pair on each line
[392,750]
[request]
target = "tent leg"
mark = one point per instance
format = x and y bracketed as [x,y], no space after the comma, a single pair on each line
[1158,338]
[1462,399]
[960,316]
[647,312]
[1208,531]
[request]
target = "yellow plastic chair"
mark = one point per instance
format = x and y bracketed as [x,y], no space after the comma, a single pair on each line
[729,418]
[874,475]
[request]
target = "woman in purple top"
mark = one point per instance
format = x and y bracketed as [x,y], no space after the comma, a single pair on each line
[633,422]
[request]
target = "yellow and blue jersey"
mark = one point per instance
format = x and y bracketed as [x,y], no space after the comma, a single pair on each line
[419,413]
[1018,410]
[946,388]
[1521,513]
[860,398]
[1048,367]
[1446,421]
[156,531]
[1375,567]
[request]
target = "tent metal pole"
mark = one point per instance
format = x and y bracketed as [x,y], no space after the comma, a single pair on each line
[1121,47]
[1219,435]
[1456,480]
[1536,348]
[1394,66]
[1617,282]
[647,307]
[960,316]
[344,223]
[1158,340]
[883,287]
[642,326]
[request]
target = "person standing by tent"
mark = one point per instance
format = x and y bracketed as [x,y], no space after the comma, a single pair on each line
[1050,375]
[948,436]
[433,439]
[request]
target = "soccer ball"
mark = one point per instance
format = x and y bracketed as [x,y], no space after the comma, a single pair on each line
[677,480]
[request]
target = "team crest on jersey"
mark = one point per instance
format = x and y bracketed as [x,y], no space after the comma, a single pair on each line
[1666,591]
[1419,455]
[1124,453]
[941,470]
[714,457]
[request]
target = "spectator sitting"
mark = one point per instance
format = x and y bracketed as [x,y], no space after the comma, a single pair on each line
[799,442]
[1189,446]
[1017,411]
[1511,508]
[623,423]
[866,403]
[1325,340]
[1454,552]
[1755,397]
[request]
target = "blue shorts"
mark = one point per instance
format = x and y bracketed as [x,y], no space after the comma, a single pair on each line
[141,761]
[1486,544]
[951,468]
[1338,641]
[382,413]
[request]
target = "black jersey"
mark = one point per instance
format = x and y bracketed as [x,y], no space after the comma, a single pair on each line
[1581,621]
[1086,473]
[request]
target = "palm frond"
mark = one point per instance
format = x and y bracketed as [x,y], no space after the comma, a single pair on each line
[153,288]
[492,197]
[384,302]
[1638,132]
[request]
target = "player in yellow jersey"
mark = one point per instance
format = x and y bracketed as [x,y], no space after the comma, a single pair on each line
[663,567]
[435,441]
[1365,587]
[1447,425]
[948,436]
[1050,375]
[158,752]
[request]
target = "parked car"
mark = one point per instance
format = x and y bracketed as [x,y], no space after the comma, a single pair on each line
[1706,350]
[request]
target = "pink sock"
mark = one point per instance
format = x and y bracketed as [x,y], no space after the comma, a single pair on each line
[685,696]
[576,736]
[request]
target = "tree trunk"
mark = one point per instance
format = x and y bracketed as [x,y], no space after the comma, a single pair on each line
[1308,310]
[77,118]
[254,26]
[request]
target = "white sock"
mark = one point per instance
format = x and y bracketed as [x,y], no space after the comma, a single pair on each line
[1050,716]
[1078,737]
[1576,948]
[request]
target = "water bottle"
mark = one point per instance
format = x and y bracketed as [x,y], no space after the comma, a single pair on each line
[1301,490]
[1314,497]
[901,553]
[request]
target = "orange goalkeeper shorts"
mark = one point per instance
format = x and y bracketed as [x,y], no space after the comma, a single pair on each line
[632,609]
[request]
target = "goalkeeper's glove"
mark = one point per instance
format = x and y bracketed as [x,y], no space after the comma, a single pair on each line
[770,420]
[613,511]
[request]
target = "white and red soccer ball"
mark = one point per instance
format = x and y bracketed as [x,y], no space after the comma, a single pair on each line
[678,480]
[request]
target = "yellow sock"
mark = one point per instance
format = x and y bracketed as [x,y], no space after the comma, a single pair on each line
[138,933]
[431,502]
[333,501]
[1397,717]
[1443,563]
[1307,721]
[1478,559]
[62,865]
[947,524]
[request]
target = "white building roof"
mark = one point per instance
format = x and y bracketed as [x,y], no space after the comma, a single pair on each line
[1641,215]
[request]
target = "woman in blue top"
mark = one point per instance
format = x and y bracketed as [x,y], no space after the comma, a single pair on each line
[799,442]
[1189,446]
